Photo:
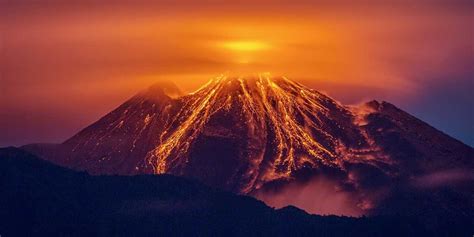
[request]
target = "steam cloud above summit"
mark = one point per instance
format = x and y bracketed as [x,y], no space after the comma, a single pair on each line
[59,58]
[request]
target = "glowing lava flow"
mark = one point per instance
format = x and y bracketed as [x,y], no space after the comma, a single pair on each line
[195,113]
[277,106]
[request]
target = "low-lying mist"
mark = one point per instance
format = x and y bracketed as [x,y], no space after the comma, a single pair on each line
[317,196]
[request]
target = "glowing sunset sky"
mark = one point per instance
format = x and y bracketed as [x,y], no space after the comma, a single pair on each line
[64,64]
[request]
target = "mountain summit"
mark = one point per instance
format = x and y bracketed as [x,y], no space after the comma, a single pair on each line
[245,134]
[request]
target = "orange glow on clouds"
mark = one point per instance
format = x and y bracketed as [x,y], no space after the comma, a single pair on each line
[244,51]
[245,45]
[89,52]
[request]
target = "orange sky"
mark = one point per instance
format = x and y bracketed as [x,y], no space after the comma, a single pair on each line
[65,64]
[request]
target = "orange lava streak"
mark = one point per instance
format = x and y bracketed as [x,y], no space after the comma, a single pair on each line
[261,101]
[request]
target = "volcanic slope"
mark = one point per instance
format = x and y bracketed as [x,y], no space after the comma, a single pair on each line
[241,134]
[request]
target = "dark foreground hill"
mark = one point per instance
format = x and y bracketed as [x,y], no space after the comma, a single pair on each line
[38,199]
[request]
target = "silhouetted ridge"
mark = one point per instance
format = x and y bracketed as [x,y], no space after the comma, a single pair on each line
[38,198]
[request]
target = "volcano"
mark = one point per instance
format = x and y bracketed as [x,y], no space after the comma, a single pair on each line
[253,133]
